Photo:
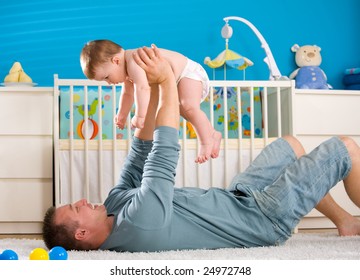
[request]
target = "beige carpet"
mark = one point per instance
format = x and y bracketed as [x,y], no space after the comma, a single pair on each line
[302,246]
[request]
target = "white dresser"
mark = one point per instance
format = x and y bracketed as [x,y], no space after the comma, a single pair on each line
[314,116]
[26,157]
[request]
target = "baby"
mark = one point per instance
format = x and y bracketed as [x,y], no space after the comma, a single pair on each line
[104,60]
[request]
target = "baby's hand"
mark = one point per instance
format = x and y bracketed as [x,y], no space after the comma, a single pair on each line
[120,122]
[137,122]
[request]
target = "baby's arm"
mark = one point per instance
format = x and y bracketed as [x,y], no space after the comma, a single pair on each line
[141,93]
[125,103]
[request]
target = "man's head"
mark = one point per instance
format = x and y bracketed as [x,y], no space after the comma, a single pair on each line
[77,226]
[102,60]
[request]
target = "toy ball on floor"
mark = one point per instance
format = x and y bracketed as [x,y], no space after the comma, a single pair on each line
[58,253]
[8,255]
[39,254]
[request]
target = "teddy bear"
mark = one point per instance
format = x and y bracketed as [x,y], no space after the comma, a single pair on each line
[309,75]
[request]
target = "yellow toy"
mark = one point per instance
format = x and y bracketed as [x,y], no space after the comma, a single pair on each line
[17,75]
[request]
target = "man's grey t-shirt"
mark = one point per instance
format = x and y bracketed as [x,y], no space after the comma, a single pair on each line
[152,215]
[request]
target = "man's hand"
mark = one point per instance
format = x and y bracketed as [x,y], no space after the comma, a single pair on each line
[157,68]
[160,76]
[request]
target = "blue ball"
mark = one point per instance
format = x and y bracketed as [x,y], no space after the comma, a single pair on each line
[58,253]
[9,255]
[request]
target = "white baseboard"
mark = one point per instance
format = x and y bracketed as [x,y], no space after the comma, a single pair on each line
[20,228]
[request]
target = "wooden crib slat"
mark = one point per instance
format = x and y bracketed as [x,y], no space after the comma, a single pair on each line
[184,154]
[226,136]
[265,116]
[113,92]
[56,142]
[71,137]
[212,171]
[252,124]
[278,106]
[86,139]
[100,147]
[240,137]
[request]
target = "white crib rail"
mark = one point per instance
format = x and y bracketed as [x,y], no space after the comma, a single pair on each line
[206,175]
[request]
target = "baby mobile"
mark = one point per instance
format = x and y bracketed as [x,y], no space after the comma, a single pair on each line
[227,58]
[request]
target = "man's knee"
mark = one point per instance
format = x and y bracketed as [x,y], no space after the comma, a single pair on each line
[351,145]
[295,145]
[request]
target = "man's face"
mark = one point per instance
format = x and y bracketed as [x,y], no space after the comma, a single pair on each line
[88,216]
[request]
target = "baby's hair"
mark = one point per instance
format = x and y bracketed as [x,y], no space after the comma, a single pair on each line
[95,53]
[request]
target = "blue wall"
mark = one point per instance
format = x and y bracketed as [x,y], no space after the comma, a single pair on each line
[47,36]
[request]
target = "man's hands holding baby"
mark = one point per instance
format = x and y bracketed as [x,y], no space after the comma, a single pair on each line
[156,67]
[158,72]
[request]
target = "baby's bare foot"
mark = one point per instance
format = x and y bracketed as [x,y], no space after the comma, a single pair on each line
[210,149]
[216,144]
[205,152]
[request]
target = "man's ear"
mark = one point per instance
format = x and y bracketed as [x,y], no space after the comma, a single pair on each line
[81,234]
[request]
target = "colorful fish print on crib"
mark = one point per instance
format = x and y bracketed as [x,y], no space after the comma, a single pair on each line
[107,102]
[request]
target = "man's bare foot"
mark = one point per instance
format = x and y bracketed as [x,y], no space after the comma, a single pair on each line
[349,227]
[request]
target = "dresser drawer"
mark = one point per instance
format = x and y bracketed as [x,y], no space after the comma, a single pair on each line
[23,113]
[326,114]
[24,200]
[26,157]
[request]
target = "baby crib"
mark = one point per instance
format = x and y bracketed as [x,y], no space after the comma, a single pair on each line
[90,150]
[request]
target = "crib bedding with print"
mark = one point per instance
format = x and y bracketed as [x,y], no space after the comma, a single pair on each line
[90,150]
[104,101]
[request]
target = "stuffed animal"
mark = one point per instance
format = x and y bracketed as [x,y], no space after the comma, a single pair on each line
[309,75]
[17,75]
